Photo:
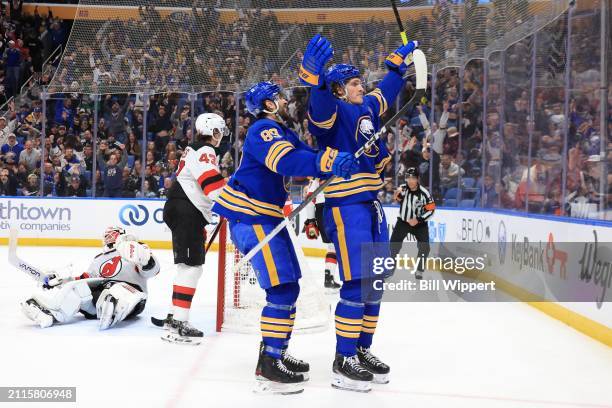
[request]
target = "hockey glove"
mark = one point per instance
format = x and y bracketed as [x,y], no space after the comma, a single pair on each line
[396,61]
[339,164]
[134,252]
[311,229]
[318,51]
[51,280]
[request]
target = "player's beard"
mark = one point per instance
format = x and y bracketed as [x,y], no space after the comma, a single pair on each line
[283,113]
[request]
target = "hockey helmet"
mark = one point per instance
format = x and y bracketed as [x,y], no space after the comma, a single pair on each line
[340,73]
[260,92]
[206,124]
[111,234]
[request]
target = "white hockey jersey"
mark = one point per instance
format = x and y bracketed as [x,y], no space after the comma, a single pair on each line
[111,265]
[198,174]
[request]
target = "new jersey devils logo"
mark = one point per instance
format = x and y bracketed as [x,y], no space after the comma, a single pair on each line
[365,130]
[111,267]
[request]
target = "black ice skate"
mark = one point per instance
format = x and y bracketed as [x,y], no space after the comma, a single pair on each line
[295,364]
[180,332]
[330,282]
[370,362]
[349,374]
[273,377]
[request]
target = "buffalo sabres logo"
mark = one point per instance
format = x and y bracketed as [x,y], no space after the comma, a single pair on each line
[365,130]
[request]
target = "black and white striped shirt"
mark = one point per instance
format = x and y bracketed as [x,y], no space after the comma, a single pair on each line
[416,204]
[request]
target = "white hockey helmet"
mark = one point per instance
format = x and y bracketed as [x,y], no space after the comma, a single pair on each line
[207,123]
[111,234]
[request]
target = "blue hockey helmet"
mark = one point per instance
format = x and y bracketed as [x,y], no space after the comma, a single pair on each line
[258,93]
[340,73]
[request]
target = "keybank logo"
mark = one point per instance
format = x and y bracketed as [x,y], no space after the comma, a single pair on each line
[138,215]
[10,211]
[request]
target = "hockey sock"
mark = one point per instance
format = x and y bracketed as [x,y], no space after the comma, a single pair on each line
[370,319]
[276,321]
[184,288]
[349,318]
[292,317]
[331,261]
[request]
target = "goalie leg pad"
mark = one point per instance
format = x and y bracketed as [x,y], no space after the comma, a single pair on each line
[37,314]
[64,301]
[116,302]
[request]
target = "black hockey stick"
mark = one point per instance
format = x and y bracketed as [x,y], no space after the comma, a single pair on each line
[214,234]
[399,23]
[420,66]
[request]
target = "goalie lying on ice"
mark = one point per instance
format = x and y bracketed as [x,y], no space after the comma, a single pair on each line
[113,288]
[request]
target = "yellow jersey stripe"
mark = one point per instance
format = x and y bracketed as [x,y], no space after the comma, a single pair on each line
[279,156]
[324,124]
[382,102]
[273,152]
[354,191]
[252,200]
[355,177]
[232,207]
[243,203]
[353,184]
[371,325]
[345,264]
[370,318]
[267,254]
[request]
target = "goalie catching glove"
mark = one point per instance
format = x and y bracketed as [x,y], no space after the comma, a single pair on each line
[311,229]
[396,61]
[318,51]
[133,251]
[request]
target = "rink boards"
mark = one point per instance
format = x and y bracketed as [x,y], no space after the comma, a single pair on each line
[81,222]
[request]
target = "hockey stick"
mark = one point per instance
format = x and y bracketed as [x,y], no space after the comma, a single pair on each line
[214,234]
[399,23]
[420,65]
[32,271]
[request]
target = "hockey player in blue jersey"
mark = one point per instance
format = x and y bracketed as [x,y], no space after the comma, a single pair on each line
[342,116]
[253,202]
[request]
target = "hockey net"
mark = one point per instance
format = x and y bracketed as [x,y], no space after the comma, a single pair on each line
[240,299]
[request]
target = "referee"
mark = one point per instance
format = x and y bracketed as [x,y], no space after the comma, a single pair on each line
[416,208]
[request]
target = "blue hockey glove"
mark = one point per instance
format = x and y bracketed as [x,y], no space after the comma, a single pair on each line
[318,51]
[339,164]
[396,60]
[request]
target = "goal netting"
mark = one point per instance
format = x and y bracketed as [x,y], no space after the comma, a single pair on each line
[240,299]
[188,46]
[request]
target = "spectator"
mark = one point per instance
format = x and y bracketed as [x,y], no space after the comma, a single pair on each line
[32,186]
[488,192]
[8,183]
[112,171]
[12,57]
[11,150]
[75,188]
[30,156]
[449,172]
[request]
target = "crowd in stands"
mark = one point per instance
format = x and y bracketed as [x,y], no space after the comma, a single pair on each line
[468,156]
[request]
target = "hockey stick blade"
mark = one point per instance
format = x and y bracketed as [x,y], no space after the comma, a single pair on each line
[420,67]
[19,263]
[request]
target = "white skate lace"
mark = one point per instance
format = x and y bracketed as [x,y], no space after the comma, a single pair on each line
[353,363]
[288,357]
[283,369]
[370,358]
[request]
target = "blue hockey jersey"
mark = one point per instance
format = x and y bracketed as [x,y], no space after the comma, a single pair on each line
[257,191]
[346,127]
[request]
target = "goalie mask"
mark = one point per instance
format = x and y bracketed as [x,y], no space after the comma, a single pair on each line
[207,124]
[111,234]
